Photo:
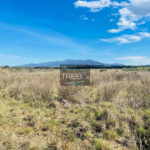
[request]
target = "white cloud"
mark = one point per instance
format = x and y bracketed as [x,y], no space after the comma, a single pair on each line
[111,20]
[141,23]
[135,60]
[131,58]
[115,14]
[115,30]
[92,19]
[83,17]
[130,14]
[127,38]
[140,7]
[144,29]
[145,34]
[93,5]
[2,56]
[115,4]
[126,21]
[127,18]
[96,6]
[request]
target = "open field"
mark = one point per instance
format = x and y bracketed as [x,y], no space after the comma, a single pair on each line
[37,113]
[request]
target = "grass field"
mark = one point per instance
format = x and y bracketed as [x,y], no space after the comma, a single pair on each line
[37,113]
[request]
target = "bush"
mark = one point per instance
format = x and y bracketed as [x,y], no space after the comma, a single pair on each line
[51,69]
[103,70]
[98,144]
[125,69]
[101,145]
[110,134]
[140,131]
[134,69]
[18,68]
[25,131]
[31,69]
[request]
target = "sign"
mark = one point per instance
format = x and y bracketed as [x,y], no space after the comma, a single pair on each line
[74,75]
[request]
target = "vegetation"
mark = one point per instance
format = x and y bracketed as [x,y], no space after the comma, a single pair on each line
[136,69]
[103,70]
[6,67]
[36,113]
[31,69]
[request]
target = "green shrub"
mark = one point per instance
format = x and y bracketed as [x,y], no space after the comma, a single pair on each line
[125,69]
[25,131]
[98,113]
[99,144]
[110,134]
[111,123]
[94,122]
[31,69]
[134,69]
[51,69]
[103,70]
[88,135]
[140,131]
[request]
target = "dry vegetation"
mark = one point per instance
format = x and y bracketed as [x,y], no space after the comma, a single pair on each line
[36,113]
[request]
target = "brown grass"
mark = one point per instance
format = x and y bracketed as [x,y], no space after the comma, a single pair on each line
[37,113]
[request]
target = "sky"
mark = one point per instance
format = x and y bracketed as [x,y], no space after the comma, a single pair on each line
[108,31]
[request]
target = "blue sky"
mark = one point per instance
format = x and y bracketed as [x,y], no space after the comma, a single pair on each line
[35,31]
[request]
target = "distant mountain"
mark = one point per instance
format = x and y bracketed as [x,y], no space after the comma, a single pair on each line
[69,62]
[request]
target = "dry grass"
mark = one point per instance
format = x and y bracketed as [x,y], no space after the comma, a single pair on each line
[37,113]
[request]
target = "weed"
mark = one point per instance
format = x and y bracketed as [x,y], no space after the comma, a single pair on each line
[25,131]
[110,134]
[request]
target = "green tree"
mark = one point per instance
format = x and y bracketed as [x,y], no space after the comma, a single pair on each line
[6,66]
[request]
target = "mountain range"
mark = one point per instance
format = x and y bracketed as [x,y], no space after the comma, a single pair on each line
[69,62]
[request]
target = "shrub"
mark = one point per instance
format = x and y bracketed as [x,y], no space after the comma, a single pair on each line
[134,69]
[110,134]
[94,122]
[18,68]
[98,114]
[100,144]
[25,131]
[31,69]
[103,70]
[51,69]
[125,69]
[111,123]
[140,131]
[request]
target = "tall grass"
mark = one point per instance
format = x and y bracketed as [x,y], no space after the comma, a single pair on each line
[115,109]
